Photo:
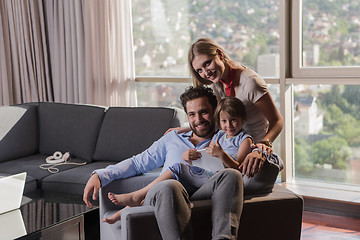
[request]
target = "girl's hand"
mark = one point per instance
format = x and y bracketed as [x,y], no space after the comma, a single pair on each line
[191,155]
[215,150]
[179,129]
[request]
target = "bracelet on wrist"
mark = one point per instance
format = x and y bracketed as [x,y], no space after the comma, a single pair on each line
[266,142]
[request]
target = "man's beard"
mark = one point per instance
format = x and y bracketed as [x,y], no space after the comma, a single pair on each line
[203,133]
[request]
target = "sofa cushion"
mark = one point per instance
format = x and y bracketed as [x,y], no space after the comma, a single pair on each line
[30,164]
[18,132]
[71,181]
[128,131]
[69,128]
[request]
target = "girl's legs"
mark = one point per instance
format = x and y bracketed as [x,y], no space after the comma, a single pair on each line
[114,218]
[135,198]
[191,177]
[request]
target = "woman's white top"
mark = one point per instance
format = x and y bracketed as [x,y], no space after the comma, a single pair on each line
[251,88]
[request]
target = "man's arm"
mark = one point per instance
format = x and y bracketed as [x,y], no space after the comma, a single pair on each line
[146,161]
[102,177]
[123,169]
[92,186]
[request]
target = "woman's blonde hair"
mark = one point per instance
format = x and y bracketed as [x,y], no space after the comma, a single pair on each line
[208,47]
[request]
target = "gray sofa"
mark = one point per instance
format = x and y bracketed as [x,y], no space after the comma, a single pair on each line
[96,135]
[101,136]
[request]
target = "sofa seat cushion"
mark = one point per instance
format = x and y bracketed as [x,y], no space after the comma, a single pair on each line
[277,215]
[128,131]
[73,180]
[18,132]
[69,128]
[31,165]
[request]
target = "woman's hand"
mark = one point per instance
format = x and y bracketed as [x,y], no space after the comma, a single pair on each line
[252,163]
[264,148]
[191,155]
[179,129]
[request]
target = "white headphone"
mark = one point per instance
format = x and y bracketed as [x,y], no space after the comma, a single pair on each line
[56,160]
[58,157]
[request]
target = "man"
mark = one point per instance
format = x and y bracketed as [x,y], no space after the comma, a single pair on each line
[171,200]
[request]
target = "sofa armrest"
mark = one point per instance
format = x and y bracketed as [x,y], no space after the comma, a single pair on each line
[18,132]
[122,186]
[137,216]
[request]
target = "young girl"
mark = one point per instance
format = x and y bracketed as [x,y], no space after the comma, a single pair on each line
[230,144]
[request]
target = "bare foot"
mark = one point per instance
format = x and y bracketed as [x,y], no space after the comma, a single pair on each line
[114,218]
[127,199]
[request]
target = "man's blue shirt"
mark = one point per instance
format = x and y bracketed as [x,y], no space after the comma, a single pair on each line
[165,152]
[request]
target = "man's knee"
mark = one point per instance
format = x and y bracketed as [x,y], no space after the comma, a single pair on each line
[230,174]
[169,186]
[168,189]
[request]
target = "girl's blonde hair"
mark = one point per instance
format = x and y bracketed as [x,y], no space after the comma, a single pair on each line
[233,106]
[206,46]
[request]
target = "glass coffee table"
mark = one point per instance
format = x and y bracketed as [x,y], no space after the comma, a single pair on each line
[52,216]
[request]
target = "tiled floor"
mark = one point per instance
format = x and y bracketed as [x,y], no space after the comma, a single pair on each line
[319,232]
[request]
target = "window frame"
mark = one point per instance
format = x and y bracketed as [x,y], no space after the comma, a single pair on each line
[298,71]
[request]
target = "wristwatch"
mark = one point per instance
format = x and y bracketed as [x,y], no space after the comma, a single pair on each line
[267,142]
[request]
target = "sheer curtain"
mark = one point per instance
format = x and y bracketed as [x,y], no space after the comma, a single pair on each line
[83,53]
[91,51]
[25,74]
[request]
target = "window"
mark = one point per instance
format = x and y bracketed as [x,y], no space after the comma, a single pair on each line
[164,29]
[150,94]
[326,38]
[327,132]
[325,57]
[321,49]
[274,90]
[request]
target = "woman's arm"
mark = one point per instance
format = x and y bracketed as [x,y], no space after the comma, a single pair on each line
[179,129]
[254,161]
[267,106]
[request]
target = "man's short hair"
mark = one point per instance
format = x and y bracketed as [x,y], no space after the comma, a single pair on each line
[192,93]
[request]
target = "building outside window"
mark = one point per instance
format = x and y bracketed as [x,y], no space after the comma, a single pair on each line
[327,133]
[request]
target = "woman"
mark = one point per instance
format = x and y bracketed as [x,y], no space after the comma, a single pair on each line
[210,65]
